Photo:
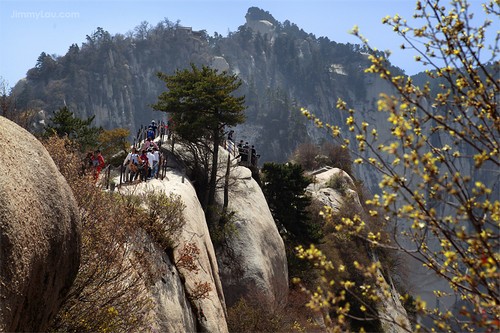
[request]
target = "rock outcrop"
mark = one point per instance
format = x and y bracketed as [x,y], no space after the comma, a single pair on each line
[262,27]
[196,231]
[171,311]
[394,318]
[252,261]
[176,306]
[332,197]
[252,264]
[39,233]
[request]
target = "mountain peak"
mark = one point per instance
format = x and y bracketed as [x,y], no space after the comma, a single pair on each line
[260,21]
[257,14]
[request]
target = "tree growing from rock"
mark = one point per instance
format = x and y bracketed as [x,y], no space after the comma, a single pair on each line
[284,188]
[202,103]
[64,123]
[445,219]
[114,144]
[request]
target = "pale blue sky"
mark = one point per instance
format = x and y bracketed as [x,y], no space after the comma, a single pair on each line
[29,27]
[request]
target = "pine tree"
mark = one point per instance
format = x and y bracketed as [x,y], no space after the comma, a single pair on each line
[284,188]
[201,103]
[64,122]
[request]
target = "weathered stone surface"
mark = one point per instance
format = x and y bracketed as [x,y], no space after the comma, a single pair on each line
[171,311]
[393,314]
[256,268]
[39,233]
[170,301]
[261,26]
[220,64]
[328,196]
[253,261]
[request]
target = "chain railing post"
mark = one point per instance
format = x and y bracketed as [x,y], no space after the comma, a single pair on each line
[108,173]
[122,172]
[162,169]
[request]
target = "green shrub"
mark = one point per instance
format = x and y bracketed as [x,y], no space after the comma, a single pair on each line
[338,183]
[164,219]
[223,230]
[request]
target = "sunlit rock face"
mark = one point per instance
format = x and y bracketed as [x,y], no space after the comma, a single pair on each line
[393,314]
[252,260]
[251,264]
[176,308]
[39,233]
[262,27]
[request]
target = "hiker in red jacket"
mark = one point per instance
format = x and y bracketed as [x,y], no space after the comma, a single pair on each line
[98,163]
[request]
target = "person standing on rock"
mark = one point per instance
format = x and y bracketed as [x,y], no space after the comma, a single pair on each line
[154,128]
[253,156]
[151,160]
[149,143]
[130,164]
[244,153]
[156,163]
[143,165]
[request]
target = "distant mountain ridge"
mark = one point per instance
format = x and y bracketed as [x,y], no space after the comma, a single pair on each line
[283,68]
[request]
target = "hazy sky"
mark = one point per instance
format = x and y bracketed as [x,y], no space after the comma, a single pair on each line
[29,27]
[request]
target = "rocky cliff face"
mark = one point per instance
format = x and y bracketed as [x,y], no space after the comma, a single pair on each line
[39,233]
[256,267]
[282,68]
[252,261]
[390,310]
[249,263]
[173,311]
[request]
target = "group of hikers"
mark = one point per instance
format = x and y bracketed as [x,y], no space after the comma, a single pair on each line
[143,164]
[94,161]
[161,129]
[140,164]
[247,154]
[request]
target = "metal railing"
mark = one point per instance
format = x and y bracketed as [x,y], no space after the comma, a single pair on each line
[110,172]
[161,131]
[244,155]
